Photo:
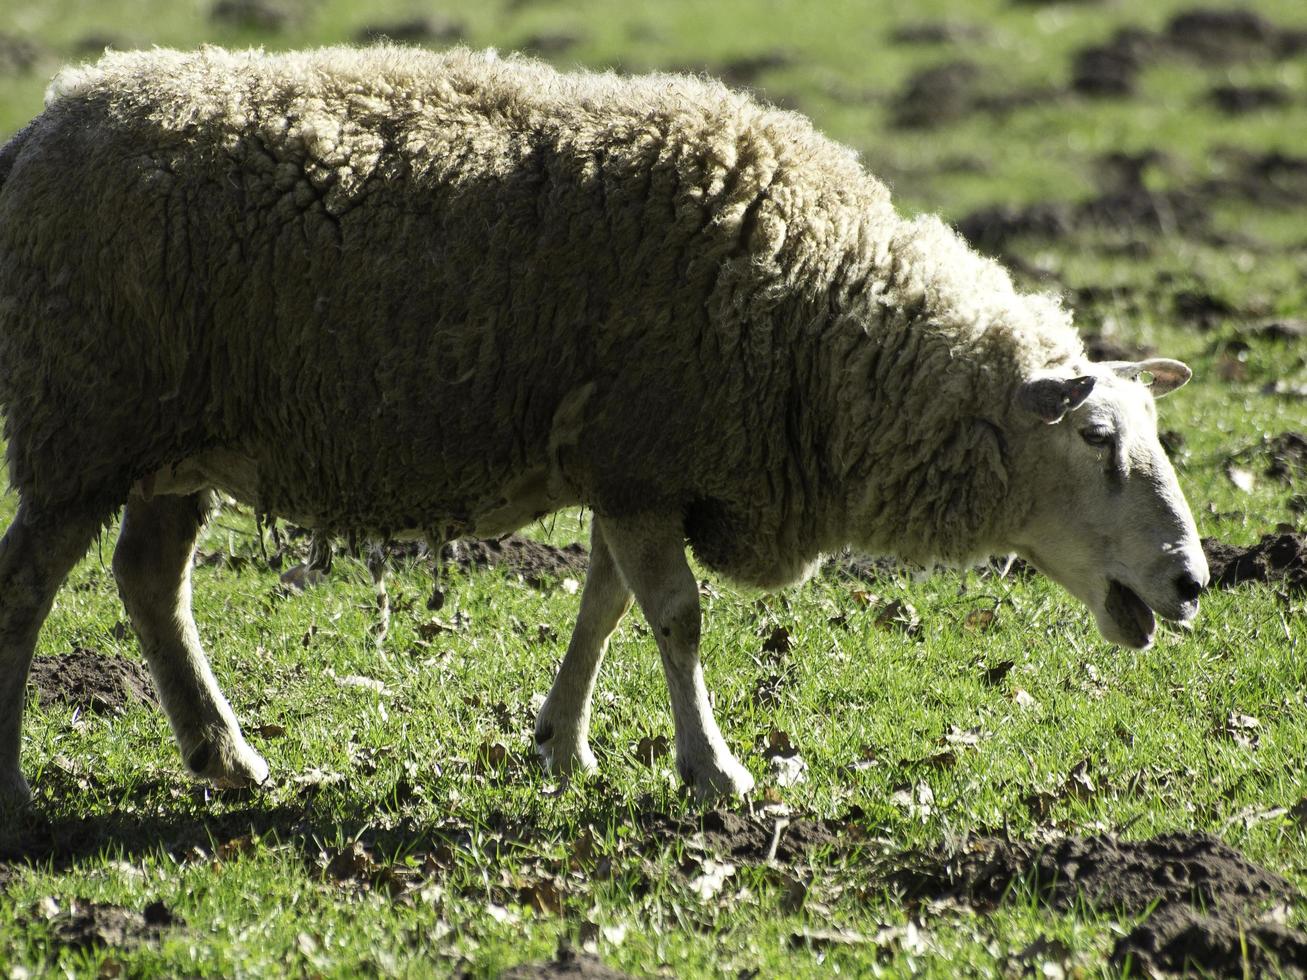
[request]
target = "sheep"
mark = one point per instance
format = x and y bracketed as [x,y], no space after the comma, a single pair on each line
[397,293]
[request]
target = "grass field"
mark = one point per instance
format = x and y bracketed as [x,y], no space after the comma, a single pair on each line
[919,740]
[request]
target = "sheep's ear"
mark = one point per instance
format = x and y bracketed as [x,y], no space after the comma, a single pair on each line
[1164,374]
[1051,398]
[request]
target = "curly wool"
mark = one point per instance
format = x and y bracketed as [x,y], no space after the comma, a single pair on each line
[413,290]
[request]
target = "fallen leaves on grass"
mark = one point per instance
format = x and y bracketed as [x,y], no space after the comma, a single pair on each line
[899,615]
[650,749]
[1241,729]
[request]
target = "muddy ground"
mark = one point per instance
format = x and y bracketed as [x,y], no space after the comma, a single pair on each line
[568,963]
[534,561]
[88,680]
[1209,904]
[1278,559]
[1203,903]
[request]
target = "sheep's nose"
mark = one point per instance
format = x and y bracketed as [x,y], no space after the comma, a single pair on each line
[1188,587]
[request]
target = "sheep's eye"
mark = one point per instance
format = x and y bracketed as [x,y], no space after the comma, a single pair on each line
[1098,438]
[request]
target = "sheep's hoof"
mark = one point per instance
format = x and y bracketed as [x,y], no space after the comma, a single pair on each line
[228,762]
[714,779]
[14,791]
[566,759]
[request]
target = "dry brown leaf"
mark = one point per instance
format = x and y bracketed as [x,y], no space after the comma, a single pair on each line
[491,756]
[542,896]
[649,750]
[899,615]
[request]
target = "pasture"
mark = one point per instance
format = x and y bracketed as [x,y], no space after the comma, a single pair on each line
[956,774]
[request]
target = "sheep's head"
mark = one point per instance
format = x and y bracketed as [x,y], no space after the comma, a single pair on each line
[1108,520]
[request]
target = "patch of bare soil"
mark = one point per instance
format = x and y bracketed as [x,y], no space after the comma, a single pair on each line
[1235,100]
[18,55]
[263,15]
[1175,875]
[1102,348]
[1102,872]
[1127,205]
[1229,34]
[1277,557]
[91,681]
[535,562]
[423,29]
[82,924]
[937,32]
[568,963]
[749,838]
[1111,69]
[1287,456]
[947,92]
[1179,940]
[549,43]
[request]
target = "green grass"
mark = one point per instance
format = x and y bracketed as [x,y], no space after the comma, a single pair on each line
[472,842]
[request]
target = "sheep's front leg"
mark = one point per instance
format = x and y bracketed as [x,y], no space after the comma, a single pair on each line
[152,563]
[36,555]
[650,554]
[563,725]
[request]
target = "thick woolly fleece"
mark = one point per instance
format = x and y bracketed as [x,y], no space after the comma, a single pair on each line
[420,290]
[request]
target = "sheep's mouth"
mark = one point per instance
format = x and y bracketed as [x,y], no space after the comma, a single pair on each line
[1131,615]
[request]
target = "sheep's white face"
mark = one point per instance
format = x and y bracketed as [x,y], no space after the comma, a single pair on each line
[1110,522]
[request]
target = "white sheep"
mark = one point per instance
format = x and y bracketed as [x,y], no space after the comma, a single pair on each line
[394,292]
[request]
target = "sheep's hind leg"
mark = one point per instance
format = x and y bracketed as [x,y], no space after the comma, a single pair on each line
[36,555]
[152,564]
[563,724]
[650,553]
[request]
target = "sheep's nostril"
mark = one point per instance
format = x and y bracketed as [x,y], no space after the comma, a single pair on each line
[1188,587]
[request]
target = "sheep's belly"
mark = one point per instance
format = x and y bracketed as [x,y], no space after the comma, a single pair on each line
[525,497]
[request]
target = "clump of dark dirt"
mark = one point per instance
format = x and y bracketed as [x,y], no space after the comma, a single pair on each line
[1112,69]
[1279,331]
[18,55]
[1226,34]
[568,963]
[947,92]
[750,838]
[548,43]
[535,562]
[747,69]
[936,95]
[1202,309]
[262,15]
[82,924]
[1277,557]
[89,680]
[991,228]
[1179,940]
[1101,348]
[1103,872]
[937,32]
[1236,100]
[1287,456]
[415,30]
[1127,205]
